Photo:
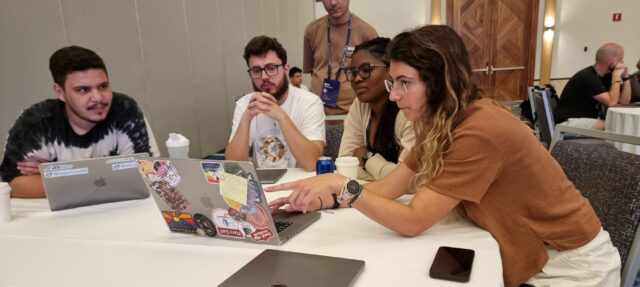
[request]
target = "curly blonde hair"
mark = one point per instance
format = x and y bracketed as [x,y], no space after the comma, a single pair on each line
[442,62]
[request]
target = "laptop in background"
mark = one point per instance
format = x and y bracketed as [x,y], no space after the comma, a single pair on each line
[284,268]
[218,198]
[71,184]
[270,175]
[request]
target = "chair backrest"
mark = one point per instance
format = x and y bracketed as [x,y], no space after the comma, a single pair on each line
[543,115]
[334,137]
[609,179]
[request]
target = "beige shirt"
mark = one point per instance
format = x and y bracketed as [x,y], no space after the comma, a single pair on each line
[316,53]
[354,136]
[511,186]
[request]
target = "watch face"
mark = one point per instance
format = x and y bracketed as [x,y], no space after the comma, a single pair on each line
[353,187]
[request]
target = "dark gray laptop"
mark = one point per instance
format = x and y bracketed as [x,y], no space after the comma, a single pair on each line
[221,199]
[270,175]
[92,181]
[292,269]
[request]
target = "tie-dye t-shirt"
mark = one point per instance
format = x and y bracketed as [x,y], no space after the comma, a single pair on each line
[43,131]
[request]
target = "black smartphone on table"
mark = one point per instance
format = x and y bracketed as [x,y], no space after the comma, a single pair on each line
[452,264]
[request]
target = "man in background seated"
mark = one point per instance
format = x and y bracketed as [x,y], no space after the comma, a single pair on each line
[605,83]
[295,75]
[87,120]
[285,126]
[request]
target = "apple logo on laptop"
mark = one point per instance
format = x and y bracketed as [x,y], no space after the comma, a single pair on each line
[100,182]
[206,201]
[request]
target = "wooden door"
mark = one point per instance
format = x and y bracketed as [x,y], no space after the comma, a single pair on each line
[501,38]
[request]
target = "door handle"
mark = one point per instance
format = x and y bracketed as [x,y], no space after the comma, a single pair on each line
[492,69]
[486,70]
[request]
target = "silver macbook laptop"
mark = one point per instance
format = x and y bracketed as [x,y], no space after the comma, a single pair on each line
[284,268]
[222,199]
[92,181]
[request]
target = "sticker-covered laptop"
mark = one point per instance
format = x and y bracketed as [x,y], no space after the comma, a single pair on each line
[221,199]
[70,184]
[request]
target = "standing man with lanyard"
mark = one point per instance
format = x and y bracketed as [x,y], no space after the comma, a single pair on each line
[328,43]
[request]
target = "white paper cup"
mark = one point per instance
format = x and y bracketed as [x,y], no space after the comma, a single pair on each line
[178,151]
[177,146]
[348,166]
[5,202]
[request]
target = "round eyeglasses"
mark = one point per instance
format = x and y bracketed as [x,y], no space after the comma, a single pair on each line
[395,86]
[271,70]
[364,71]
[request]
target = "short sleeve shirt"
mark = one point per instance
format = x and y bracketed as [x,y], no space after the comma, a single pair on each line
[577,98]
[510,185]
[270,147]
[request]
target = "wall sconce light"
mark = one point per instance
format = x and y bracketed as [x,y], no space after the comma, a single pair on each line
[548,34]
[549,22]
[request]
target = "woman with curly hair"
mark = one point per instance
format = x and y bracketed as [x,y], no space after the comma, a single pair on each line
[473,156]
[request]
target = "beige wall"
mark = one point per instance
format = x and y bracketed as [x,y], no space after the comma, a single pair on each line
[181,60]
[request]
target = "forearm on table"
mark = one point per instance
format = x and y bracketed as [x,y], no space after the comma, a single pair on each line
[27,186]
[238,147]
[305,151]
[378,166]
[625,94]
[407,220]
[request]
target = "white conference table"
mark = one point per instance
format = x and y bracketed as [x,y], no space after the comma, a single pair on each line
[129,244]
[624,120]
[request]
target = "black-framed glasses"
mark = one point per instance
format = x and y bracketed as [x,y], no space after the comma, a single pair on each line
[271,70]
[395,86]
[364,71]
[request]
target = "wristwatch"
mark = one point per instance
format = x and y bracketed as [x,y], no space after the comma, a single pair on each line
[350,191]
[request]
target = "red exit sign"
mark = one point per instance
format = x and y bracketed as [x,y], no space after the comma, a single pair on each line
[617,17]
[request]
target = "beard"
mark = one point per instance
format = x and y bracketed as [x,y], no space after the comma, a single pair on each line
[280,89]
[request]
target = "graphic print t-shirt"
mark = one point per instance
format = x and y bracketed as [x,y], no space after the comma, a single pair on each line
[270,148]
[43,131]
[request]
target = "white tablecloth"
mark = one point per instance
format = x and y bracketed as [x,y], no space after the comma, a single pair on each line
[624,120]
[128,244]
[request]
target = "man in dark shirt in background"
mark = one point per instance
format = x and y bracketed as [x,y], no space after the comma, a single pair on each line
[606,83]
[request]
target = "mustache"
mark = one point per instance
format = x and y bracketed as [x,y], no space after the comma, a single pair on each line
[98,104]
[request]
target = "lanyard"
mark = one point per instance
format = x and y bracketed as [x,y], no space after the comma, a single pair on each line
[344,51]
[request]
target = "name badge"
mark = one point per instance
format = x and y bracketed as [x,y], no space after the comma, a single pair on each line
[330,91]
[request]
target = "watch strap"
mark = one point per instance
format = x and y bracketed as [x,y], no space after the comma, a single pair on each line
[336,204]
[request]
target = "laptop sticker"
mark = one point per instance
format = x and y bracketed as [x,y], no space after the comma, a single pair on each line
[247,228]
[205,226]
[262,234]
[146,167]
[233,188]
[180,222]
[167,172]
[170,195]
[212,171]
[123,165]
[66,172]
[234,168]
[225,224]
[259,218]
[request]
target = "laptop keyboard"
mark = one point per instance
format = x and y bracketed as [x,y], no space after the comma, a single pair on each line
[281,225]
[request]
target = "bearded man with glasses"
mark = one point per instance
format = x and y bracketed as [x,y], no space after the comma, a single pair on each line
[283,125]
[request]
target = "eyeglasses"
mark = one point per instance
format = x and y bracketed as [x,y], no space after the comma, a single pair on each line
[271,70]
[364,71]
[394,86]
